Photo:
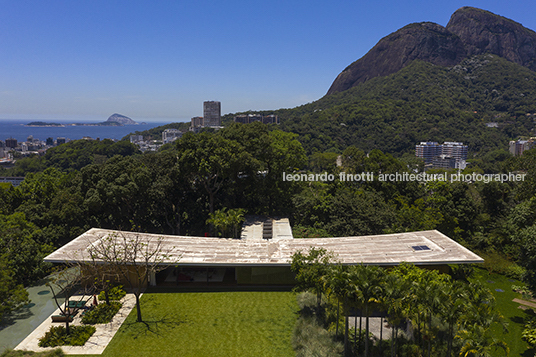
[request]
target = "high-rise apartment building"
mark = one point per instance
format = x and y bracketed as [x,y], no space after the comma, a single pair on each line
[517,147]
[427,150]
[211,113]
[455,150]
[11,143]
[450,154]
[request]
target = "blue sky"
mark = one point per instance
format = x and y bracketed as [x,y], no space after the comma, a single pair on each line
[159,60]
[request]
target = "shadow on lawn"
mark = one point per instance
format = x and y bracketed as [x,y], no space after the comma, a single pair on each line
[152,326]
[217,288]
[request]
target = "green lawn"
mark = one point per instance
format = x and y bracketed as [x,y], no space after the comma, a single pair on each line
[513,315]
[209,324]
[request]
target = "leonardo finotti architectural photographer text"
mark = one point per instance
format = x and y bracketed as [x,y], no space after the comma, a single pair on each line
[405,176]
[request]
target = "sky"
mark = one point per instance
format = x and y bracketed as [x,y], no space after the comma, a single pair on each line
[160,60]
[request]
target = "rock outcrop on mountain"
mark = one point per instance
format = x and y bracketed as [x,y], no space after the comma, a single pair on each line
[484,32]
[426,41]
[121,119]
[470,31]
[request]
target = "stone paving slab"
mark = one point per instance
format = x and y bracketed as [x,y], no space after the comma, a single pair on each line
[526,303]
[96,343]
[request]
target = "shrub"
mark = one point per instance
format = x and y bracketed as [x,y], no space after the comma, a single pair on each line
[300,231]
[102,313]
[311,339]
[57,336]
[497,263]
[306,300]
[12,353]
[115,293]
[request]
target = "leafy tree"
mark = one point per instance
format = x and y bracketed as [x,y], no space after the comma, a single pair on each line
[228,222]
[211,161]
[116,193]
[12,295]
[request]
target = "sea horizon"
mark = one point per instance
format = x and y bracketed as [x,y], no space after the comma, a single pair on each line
[17,129]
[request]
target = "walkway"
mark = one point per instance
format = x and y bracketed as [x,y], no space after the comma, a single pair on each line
[16,326]
[96,343]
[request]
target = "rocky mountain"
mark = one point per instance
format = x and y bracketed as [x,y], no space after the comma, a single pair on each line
[121,119]
[470,31]
[483,101]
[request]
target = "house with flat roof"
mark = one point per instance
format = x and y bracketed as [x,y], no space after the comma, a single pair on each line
[260,259]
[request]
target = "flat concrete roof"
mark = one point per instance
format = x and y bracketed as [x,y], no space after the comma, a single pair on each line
[420,248]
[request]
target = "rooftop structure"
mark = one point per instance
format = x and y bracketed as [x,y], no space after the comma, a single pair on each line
[419,248]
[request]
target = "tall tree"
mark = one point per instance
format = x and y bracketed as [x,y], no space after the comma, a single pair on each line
[12,294]
[211,161]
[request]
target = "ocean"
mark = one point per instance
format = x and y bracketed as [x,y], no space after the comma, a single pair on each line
[16,129]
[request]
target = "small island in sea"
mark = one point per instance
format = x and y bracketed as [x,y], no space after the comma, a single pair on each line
[113,120]
[42,123]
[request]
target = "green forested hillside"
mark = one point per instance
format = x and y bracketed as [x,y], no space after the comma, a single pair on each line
[422,102]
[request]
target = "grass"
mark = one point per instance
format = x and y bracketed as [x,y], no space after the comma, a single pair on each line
[209,324]
[514,316]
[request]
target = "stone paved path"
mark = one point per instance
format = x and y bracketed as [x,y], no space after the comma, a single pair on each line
[96,343]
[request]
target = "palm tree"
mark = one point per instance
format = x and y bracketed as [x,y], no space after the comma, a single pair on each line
[367,291]
[339,284]
[429,293]
[480,314]
[479,342]
[394,301]
[454,297]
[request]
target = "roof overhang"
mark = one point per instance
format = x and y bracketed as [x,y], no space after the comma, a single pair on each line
[384,249]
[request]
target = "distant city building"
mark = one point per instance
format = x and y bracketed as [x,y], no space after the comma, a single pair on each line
[11,143]
[455,150]
[427,150]
[50,142]
[251,118]
[60,141]
[242,118]
[15,181]
[270,119]
[136,138]
[449,155]
[254,117]
[2,144]
[517,147]
[447,162]
[211,113]
[197,122]
[170,135]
